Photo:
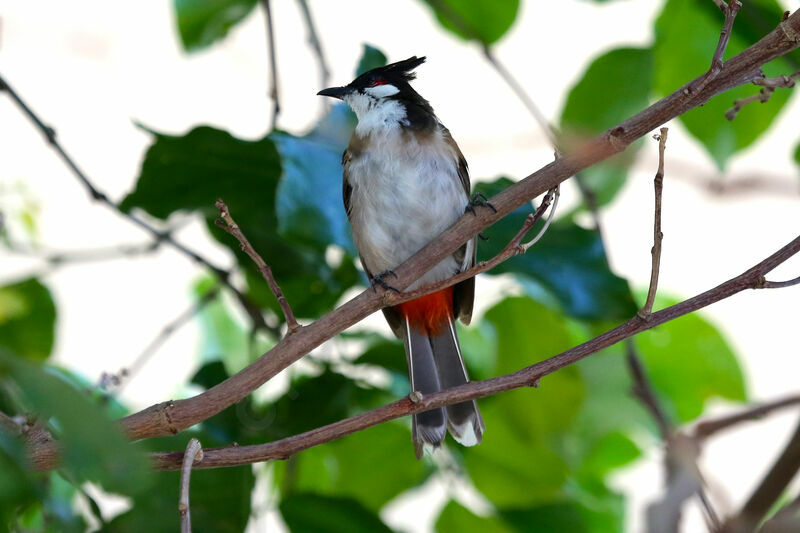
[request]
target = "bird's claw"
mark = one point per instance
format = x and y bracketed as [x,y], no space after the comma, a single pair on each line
[478,200]
[378,280]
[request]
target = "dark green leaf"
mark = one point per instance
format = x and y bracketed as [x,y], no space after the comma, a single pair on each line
[93,448]
[309,199]
[797,154]
[547,518]
[313,513]
[189,173]
[371,58]
[456,518]
[686,36]
[372,466]
[569,261]
[203,22]
[220,498]
[27,319]
[485,22]
[18,483]
[689,362]
[612,451]
[614,87]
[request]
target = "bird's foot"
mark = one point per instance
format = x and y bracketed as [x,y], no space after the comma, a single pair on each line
[478,200]
[379,280]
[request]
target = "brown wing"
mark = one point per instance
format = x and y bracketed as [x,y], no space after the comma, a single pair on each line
[463,292]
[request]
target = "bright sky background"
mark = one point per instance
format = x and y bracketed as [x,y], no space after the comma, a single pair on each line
[92,68]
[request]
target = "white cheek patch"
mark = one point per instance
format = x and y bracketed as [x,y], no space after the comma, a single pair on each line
[382,91]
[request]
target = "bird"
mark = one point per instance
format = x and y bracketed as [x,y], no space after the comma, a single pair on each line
[405,180]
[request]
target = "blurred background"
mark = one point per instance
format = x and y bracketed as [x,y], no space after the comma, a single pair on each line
[166,106]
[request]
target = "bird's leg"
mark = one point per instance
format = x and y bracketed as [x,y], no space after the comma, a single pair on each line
[378,280]
[478,200]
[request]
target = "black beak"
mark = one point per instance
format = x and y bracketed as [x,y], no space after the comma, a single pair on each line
[335,92]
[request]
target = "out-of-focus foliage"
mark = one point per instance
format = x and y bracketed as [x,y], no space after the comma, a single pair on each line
[203,22]
[569,262]
[27,319]
[614,87]
[481,21]
[548,451]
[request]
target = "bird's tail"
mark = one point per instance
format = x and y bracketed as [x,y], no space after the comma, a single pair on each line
[435,363]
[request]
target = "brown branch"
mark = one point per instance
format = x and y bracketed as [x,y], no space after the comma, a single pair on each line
[643,390]
[769,85]
[770,488]
[658,236]
[730,10]
[193,454]
[316,44]
[170,417]
[529,376]
[708,428]
[99,196]
[273,62]
[228,224]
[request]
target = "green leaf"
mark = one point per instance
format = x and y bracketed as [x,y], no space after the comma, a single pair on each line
[612,451]
[18,484]
[569,261]
[190,172]
[371,58]
[309,199]
[614,87]
[519,461]
[349,466]
[686,37]
[92,445]
[313,513]
[456,518]
[797,154]
[689,362]
[486,22]
[203,22]
[220,497]
[27,319]
[564,516]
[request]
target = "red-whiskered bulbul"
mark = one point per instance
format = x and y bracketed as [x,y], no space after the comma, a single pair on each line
[406,181]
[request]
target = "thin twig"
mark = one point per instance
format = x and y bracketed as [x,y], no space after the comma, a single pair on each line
[121,379]
[58,258]
[159,236]
[658,236]
[769,85]
[273,64]
[707,428]
[730,10]
[193,454]
[228,224]
[770,489]
[643,389]
[781,284]
[316,44]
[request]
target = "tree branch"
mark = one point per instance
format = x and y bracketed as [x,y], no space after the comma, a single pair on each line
[316,44]
[159,236]
[193,453]
[770,488]
[227,223]
[658,236]
[170,417]
[273,62]
[529,376]
[708,428]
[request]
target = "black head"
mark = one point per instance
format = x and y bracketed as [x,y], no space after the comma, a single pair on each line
[390,82]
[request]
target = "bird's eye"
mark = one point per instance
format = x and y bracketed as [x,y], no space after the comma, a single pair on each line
[377,81]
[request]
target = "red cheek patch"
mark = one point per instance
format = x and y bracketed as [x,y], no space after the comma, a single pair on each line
[378,82]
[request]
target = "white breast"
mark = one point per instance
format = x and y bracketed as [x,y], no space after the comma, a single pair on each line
[404,194]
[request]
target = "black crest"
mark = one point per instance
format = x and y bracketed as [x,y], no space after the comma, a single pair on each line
[402,69]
